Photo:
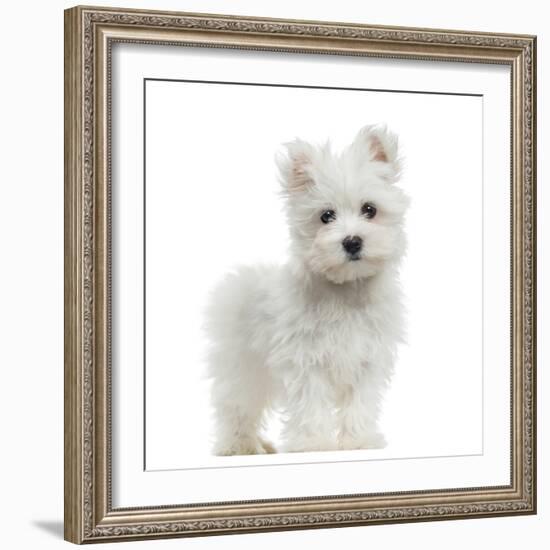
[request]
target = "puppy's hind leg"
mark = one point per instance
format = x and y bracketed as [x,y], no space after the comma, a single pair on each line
[240,396]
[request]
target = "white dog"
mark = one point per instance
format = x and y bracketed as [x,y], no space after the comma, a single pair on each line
[317,337]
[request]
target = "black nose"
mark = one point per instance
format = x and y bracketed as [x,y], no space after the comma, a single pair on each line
[352,245]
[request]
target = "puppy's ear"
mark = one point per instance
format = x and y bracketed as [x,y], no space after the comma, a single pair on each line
[295,163]
[378,144]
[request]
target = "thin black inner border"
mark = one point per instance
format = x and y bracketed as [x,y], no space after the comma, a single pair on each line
[300,86]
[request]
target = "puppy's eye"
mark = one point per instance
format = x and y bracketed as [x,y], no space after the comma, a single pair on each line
[328,215]
[368,210]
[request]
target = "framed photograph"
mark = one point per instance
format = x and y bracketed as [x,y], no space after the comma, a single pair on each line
[299,274]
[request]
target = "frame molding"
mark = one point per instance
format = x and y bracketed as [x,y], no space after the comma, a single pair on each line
[89,33]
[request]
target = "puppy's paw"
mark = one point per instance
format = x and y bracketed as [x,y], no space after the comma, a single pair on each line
[243,446]
[268,447]
[373,440]
[310,445]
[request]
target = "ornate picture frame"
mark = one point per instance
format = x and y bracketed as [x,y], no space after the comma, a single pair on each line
[90,34]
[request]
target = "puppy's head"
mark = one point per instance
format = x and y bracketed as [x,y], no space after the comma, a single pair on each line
[344,210]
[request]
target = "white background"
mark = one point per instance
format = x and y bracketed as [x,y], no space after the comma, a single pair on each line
[441,133]
[31,290]
[212,204]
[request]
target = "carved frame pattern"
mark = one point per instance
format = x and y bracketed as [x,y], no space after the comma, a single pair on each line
[89,32]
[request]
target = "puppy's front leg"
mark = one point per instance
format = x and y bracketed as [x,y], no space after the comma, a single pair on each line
[309,417]
[359,411]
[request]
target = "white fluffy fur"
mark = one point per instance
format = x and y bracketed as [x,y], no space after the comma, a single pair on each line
[315,338]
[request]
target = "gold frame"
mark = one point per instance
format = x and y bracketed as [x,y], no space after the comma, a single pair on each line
[89,34]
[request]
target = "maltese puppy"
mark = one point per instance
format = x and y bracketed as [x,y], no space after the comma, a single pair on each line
[315,338]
